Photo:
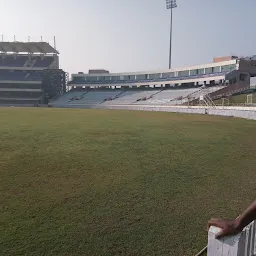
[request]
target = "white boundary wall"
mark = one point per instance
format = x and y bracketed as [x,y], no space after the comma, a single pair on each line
[242,112]
[243,244]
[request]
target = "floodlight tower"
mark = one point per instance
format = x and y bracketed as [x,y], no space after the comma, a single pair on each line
[170,4]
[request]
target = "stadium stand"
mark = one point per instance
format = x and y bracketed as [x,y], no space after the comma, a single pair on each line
[87,97]
[105,97]
[22,71]
[192,85]
[133,96]
[169,96]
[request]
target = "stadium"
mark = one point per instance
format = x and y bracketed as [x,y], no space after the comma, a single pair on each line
[29,73]
[82,173]
[30,76]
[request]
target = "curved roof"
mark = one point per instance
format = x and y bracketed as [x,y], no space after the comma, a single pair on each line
[31,47]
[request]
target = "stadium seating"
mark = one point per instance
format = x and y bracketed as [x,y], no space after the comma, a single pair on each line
[173,96]
[20,86]
[227,91]
[18,101]
[23,60]
[94,97]
[132,96]
[67,97]
[109,97]
[43,62]
[20,75]
[34,76]
[20,94]
[21,72]
[13,61]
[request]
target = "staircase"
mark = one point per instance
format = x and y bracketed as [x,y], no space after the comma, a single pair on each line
[30,63]
[149,97]
[115,97]
[208,101]
[81,96]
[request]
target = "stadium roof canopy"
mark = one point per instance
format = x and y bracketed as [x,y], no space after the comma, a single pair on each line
[30,47]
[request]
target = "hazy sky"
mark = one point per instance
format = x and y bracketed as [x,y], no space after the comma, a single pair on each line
[133,35]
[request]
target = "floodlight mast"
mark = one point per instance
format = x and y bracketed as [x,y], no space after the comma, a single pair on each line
[170,4]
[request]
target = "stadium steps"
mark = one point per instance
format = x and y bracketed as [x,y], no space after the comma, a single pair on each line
[206,92]
[81,96]
[208,101]
[192,96]
[94,97]
[169,96]
[115,97]
[148,97]
[228,91]
[158,92]
[27,75]
[30,63]
[119,94]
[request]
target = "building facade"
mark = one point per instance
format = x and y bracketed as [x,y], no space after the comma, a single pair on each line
[207,74]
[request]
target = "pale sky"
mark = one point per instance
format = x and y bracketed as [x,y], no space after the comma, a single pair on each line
[133,35]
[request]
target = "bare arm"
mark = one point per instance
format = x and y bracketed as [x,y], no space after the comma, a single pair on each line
[231,227]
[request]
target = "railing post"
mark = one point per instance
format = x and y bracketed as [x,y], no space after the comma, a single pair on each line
[243,244]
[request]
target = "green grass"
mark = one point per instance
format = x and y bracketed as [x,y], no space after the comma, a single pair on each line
[100,182]
[238,99]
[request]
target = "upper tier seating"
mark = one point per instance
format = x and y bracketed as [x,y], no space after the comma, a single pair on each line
[45,62]
[23,61]
[19,75]
[13,61]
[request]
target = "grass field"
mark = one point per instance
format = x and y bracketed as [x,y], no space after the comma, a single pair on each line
[238,99]
[100,182]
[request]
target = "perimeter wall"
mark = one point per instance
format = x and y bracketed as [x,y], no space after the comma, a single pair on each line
[242,112]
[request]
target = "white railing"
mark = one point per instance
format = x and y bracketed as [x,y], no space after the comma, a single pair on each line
[243,244]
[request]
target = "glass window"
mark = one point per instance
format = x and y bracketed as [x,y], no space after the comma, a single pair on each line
[201,71]
[107,78]
[78,79]
[91,78]
[129,77]
[154,76]
[208,70]
[183,73]
[141,77]
[216,69]
[101,78]
[115,78]
[228,68]
[126,77]
[193,72]
[169,74]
